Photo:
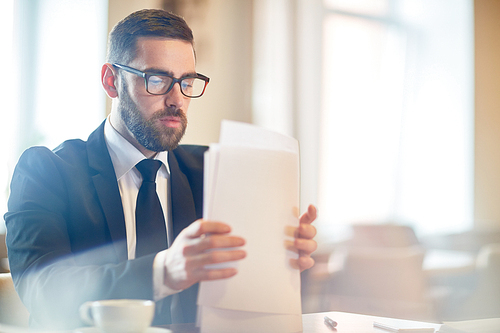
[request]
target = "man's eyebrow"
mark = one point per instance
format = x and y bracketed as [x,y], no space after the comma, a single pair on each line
[159,71]
[154,70]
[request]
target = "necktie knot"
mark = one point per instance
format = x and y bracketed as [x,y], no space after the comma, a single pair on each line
[148,169]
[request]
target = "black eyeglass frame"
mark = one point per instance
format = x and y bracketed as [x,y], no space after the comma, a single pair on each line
[146,76]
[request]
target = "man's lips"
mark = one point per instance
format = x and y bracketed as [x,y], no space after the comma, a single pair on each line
[171,121]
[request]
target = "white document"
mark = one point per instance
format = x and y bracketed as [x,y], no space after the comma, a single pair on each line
[231,321]
[252,184]
[488,325]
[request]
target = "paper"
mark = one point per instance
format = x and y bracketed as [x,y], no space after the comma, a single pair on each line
[252,183]
[216,320]
[489,325]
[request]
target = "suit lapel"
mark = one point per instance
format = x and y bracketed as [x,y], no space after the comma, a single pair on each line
[183,214]
[183,207]
[104,178]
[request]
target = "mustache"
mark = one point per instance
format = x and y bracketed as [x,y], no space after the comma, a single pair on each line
[168,112]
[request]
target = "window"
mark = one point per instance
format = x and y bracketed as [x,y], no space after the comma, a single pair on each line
[51,68]
[8,117]
[380,95]
[396,142]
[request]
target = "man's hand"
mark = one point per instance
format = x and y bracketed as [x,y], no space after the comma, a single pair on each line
[304,242]
[194,248]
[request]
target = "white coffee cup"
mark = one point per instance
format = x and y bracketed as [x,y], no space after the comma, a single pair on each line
[119,315]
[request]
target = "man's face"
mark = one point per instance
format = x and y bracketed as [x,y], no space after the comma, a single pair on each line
[156,123]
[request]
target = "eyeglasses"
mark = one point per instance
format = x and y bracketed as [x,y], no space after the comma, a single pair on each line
[192,86]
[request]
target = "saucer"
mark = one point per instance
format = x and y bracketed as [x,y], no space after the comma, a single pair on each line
[95,330]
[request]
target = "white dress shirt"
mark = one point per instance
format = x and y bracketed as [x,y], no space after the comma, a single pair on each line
[124,157]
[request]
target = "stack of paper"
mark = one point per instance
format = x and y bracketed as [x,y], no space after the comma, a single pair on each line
[252,184]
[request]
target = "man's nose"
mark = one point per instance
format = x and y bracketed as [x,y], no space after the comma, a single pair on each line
[175,98]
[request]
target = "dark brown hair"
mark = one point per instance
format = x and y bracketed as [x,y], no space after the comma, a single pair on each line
[144,23]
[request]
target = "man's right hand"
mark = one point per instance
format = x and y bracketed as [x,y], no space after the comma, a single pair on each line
[201,243]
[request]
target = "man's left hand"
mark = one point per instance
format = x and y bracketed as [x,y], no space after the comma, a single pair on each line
[304,242]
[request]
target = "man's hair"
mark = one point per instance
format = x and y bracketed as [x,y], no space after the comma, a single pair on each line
[154,23]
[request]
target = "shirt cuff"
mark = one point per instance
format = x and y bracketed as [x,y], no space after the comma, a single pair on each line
[160,290]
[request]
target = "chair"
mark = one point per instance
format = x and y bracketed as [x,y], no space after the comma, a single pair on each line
[3,255]
[12,310]
[382,281]
[485,300]
[383,235]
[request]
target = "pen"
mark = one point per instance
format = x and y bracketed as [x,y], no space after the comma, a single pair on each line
[331,324]
[402,330]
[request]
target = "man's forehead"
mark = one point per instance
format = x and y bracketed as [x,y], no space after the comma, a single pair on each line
[164,53]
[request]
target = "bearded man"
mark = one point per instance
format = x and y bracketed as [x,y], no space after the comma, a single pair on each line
[74,231]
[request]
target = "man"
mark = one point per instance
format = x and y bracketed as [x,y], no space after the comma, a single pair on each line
[71,226]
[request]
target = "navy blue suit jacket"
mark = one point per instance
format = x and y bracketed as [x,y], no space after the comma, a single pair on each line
[66,231]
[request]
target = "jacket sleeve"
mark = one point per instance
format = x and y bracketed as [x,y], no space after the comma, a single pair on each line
[52,275]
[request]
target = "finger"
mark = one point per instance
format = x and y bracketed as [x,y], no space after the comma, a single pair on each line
[203,274]
[305,263]
[215,257]
[302,263]
[213,242]
[294,263]
[306,245]
[290,246]
[306,231]
[309,216]
[201,227]
[216,274]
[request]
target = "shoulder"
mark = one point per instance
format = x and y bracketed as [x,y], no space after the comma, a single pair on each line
[41,153]
[40,179]
[68,161]
[67,152]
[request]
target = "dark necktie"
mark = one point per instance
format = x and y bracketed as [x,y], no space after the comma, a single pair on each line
[150,229]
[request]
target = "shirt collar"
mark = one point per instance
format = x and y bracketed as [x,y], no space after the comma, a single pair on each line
[124,155]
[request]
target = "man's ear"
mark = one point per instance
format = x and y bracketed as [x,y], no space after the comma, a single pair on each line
[109,80]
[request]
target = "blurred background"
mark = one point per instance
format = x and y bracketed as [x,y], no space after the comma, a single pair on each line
[395,103]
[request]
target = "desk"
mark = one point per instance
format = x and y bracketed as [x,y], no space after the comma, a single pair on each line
[311,323]
[347,323]
[356,323]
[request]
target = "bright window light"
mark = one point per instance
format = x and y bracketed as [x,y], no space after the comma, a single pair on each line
[52,53]
[397,117]
[8,117]
[71,39]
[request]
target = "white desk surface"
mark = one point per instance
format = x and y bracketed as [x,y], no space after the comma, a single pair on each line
[356,323]
[311,323]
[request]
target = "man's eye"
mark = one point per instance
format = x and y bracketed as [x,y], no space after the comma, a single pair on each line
[187,83]
[156,80]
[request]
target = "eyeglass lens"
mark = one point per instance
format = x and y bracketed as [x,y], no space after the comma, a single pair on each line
[191,87]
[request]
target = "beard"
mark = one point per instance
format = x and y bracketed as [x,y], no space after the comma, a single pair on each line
[150,133]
